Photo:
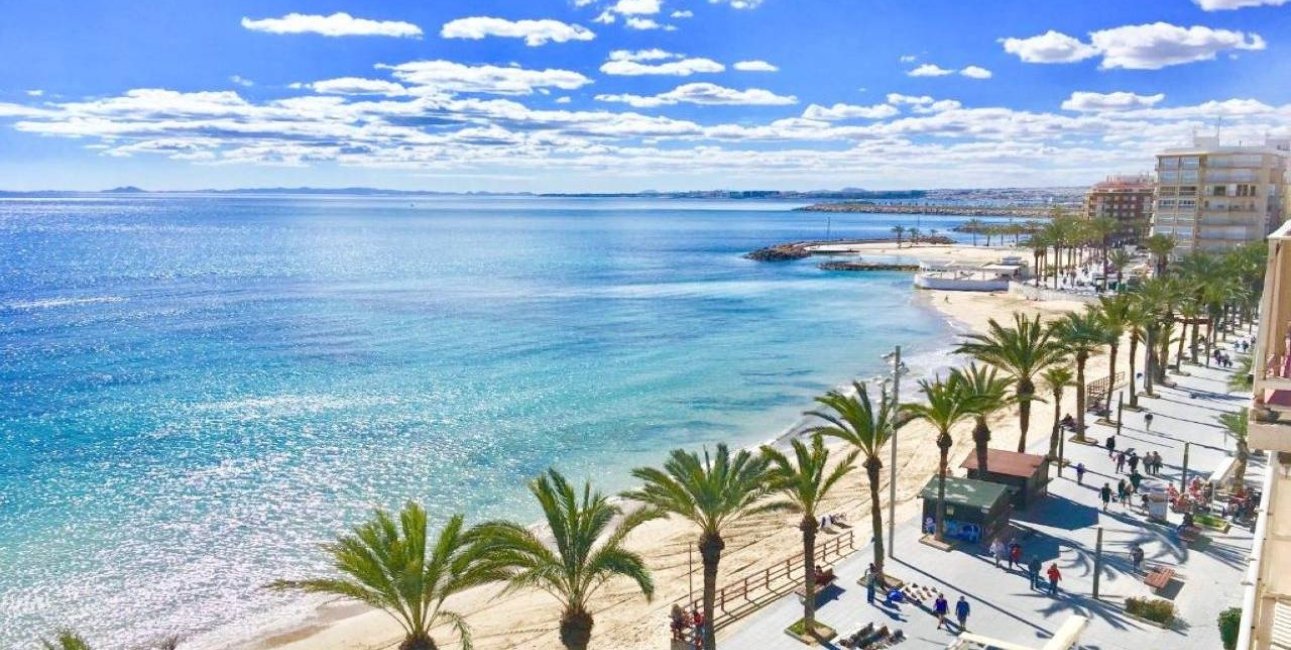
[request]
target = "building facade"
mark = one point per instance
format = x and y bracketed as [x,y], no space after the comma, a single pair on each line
[1212,198]
[1126,199]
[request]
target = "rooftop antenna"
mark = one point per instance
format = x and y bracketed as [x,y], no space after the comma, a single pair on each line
[1219,124]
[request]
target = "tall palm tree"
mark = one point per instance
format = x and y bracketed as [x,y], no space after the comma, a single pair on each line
[1161,246]
[945,407]
[1056,379]
[579,564]
[1137,321]
[1120,259]
[713,492]
[1022,350]
[66,640]
[1101,230]
[898,230]
[1236,426]
[854,420]
[805,482]
[1117,312]
[1084,335]
[974,226]
[984,392]
[392,566]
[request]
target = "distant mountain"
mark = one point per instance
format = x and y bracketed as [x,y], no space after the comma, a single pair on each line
[128,189]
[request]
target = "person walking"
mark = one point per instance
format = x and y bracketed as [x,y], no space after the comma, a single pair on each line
[1015,554]
[1111,445]
[871,583]
[1054,576]
[1157,463]
[1133,461]
[1033,572]
[1080,473]
[1136,556]
[1147,423]
[962,610]
[1105,493]
[1122,493]
[1136,479]
[1120,461]
[997,551]
[940,608]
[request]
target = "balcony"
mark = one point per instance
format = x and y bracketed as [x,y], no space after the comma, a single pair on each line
[1270,419]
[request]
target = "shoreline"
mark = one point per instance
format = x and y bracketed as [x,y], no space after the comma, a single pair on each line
[624,620]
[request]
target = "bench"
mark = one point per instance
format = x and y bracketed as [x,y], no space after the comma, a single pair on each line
[1158,578]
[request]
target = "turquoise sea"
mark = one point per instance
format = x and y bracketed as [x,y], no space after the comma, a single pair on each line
[197,390]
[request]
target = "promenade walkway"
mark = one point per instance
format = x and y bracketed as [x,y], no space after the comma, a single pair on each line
[1065,529]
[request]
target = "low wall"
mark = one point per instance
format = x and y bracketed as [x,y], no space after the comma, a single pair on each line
[954,284]
[1040,293]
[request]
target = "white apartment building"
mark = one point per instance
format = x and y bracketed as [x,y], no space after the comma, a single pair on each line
[1211,197]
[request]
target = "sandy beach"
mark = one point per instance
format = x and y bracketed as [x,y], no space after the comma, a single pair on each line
[626,621]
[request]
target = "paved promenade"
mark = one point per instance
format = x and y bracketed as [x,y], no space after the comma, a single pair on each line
[1065,525]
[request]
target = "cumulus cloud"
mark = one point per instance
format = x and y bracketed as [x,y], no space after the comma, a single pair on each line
[534,32]
[35,93]
[449,76]
[1115,101]
[682,13]
[637,7]
[637,22]
[337,24]
[975,72]
[738,4]
[1134,47]
[849,112]
[1223,5]
[354,86]
[703,94]
[929,70]
[755,66]
[657,62]
[242,81]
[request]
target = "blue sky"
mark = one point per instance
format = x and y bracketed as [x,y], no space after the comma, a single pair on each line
[621,95]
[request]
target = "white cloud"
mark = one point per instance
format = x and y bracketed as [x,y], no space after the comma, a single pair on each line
[755,66]
[534,32]
[898,99]
[605,18]
[637,22]
[355,86]
[738,4]
[645,62]
[1134,47]
[849,112]
[1114,101]
[564,100]
[448,76]
[242,81]
[908,58]
[682,13]
[929,70]
[35,93]
[975,72]
[637,7]
[1222,5]
[1049,47]
[704,94]
[337,24]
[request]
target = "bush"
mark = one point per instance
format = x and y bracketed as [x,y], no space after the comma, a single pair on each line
[1210,521]
[1157,610]
[1230,621]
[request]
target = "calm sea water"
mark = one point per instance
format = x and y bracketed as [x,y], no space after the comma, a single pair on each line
[199,390]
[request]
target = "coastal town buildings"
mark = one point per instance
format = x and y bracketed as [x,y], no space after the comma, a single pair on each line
[1214,197]
[1266,607]
[1126,199]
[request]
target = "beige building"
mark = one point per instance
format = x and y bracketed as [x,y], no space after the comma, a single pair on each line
[1127,200]
[1211,197]
[1266,607]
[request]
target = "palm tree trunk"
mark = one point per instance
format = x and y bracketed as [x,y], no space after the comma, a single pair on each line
[710,549]
[943,443]
[1192,343]
[576,629]
[1179,354]
[1057,425]
[1149,353]
[418,641]
[872,467]
[1111,374]
[1024,392]
[1081,358]
[981,440]
[808,527]
[1134,393]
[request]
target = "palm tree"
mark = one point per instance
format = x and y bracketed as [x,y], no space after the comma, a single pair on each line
[391,565]
[1022,351]
[1120,259]
[1241,379]
[984,392]
[1056,378]
[1083,334]
[713,492]
[1117,312]
[1137,321]
[974,226]
[66,640]
[898,230]
[945,407]
[1100,230]
[1160,246]
[1236,426]
[914,235]
[855,421]
[579,564]
[805,483]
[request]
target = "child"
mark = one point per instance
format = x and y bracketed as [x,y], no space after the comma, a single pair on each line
[1080,473]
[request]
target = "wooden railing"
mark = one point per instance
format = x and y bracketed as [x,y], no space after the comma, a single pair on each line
[738,599]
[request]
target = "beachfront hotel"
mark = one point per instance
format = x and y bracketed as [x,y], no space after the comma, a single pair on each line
[1128,200]
[1266,606]
[1211,197]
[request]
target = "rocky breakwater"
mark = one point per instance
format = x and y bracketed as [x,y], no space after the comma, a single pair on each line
[780,253]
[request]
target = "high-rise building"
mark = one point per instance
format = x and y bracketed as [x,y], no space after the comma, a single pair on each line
[1211,197]
[1125,199]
